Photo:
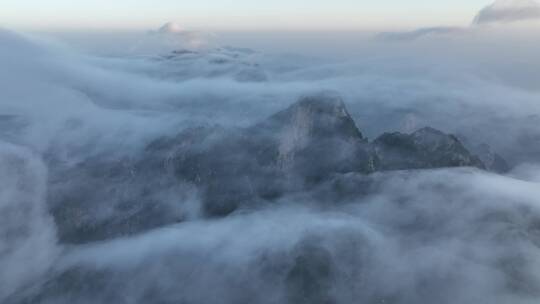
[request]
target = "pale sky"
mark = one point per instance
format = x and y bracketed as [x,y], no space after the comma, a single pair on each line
[236,14]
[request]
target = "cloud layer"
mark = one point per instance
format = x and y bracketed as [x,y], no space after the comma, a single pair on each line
[505,11]
[444,236]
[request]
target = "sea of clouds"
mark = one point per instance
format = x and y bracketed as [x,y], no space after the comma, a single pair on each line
[432,236]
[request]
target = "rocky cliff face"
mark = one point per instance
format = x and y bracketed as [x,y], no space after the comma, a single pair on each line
[489,157]
[425,148]
[317,132]
[313,143]
[290,151]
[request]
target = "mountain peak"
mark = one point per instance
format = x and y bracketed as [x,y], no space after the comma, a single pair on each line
[171,28]
[324,102]
[319,115]
[314,127]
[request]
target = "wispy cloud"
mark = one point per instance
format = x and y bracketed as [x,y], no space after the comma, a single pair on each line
[506,11]
[419,33]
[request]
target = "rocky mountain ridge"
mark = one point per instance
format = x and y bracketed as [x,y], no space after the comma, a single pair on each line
[299,149]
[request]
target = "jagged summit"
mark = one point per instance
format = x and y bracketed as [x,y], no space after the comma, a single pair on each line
[434,139]
[319,115]
[310,130]
[324,101]
[424,148]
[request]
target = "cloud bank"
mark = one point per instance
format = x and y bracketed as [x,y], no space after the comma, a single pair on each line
[444,235]
[506,11]
[419,33]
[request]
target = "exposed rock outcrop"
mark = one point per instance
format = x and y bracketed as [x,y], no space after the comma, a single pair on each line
[425,148]
[311,145]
